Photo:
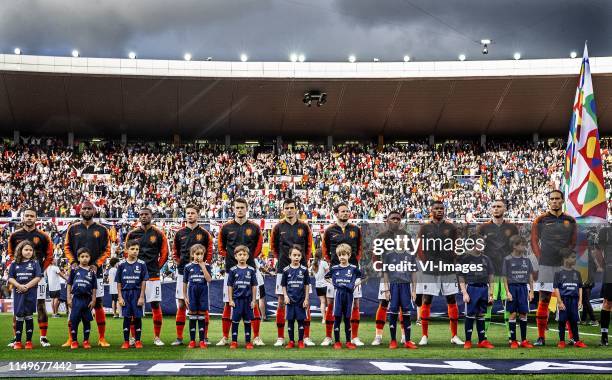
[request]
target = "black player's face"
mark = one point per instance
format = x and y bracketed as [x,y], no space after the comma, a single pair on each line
[84,259]
[191,215]
[437,211]
[393,222]
[27,252]
[145,217]
[555,201]
[343,214]
[29,218]
[240,210]
[498,209]
[87,211]
[290,210]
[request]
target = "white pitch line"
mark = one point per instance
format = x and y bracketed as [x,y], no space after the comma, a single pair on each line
[531,327]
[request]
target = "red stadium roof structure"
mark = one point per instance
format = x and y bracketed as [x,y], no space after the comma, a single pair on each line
[157,98]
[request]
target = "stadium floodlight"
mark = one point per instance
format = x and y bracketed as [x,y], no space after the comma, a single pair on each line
[17,51]
[187,57]
[293,57]
[573,54]
[485,41]
[244,57]
[462,57]
[209,59]
[301,57]
[517,56]
[352,58]
[75,53]
[301,142]
[376,60]
[406,58]
[132,55]
[251,142]
[485,45]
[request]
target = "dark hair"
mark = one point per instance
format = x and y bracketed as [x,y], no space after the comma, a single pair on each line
[83,250]
[395,212]
[19,251]
[146,209]
[502,200]
[114,261]
[566,252]
[289,201]
[30,208]
[338,205]
[516,239]
[556,191]
[315,264]
[131,243]
[192,206]
[298,248]
[240,200]
[436,202]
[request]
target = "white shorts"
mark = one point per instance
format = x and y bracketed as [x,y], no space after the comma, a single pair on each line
[153,291]
[279,289]
[331,292]
[41,293]
[225,292]
[381,290]
[434,285]
[179,287]
[546,275]
[100,290]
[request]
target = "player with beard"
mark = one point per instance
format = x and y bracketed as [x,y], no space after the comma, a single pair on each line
[434,282]
[550,233]
[154,252]
[193,233]
[91,235]
[338,233]
[286,234]
[236,232]
[496,234]
[43,251]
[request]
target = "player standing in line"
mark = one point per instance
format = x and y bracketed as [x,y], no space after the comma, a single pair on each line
[568,290]
[604,243]
[496,234]
[195,293]
[344,277]
[432,282]
[43,251]
[81,294]
[286,234]
[338,233]
[550,232]
[295,284]
[241,290]
[517,273]
[93,236]
[393,221]
[193,233]
[154,252]
[132,276]
[24,275]
[239,231]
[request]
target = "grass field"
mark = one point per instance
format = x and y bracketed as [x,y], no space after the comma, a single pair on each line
[439,347]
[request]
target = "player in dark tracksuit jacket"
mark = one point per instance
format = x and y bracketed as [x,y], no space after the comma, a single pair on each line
[550,232]
[285,235]
[604,263]
[239,231]
[184,239]
[154,252]
[93,236]
[338,233]
[568,290]
[43,249]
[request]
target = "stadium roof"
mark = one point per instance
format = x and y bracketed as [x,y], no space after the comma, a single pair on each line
[158,98]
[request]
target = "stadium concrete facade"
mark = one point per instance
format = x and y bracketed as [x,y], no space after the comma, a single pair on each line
[234,101]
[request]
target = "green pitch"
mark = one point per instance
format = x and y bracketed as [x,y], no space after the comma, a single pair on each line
[439,347]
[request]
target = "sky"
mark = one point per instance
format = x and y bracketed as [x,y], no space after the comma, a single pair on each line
[322,30]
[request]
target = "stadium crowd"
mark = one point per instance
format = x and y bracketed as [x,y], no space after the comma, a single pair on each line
[55,179]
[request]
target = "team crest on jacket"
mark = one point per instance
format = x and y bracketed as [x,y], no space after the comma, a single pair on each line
[199,237]
[352,234]
[300,232]
[153,239]
[36,240]
[96,234]
[566,223]
[248,232]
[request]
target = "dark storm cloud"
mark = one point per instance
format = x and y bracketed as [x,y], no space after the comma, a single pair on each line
[324,30]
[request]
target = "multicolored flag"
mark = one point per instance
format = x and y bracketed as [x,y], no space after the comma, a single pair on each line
[583,181]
